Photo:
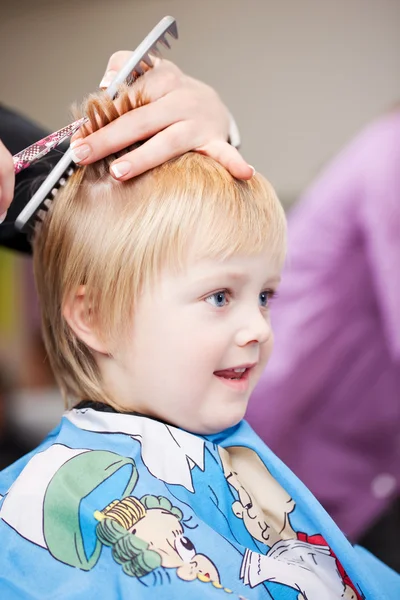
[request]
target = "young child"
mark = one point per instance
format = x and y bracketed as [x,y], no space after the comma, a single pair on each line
[155,305]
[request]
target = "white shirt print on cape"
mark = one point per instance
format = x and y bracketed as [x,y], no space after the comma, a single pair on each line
[308,568]
[168,453]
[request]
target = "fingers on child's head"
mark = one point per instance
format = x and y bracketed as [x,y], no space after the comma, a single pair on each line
[155,152]
[164,78]
[160,80]
[230,158]
[101,110]
[155,84]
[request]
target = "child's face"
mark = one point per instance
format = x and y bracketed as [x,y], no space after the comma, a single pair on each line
[188,330]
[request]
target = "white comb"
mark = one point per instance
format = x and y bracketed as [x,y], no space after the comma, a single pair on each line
[65,167]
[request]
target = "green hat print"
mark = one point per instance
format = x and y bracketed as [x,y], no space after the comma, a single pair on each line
[80,486]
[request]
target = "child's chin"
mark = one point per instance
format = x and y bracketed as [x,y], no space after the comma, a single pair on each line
[222,422]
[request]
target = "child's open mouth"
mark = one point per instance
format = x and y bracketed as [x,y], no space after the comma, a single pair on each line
[236,378]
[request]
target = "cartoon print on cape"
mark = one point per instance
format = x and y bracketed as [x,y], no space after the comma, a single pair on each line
[144,534]
[265,508]
[148,533]
[178,458]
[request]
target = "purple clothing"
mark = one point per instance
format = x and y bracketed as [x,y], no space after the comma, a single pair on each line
[328,403]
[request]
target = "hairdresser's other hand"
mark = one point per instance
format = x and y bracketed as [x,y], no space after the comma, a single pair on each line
[183,114]
[6,181]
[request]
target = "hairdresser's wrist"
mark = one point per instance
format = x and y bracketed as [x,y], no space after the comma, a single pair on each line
[234,133]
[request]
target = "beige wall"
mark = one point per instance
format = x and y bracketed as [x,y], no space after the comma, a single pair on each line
[301,77]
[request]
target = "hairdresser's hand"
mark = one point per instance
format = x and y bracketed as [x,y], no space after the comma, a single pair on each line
[6,181]
[183,114]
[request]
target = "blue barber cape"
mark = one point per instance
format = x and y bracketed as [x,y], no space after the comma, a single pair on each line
[123,506]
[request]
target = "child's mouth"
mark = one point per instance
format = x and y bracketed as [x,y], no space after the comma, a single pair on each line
[236,378]
[231,373]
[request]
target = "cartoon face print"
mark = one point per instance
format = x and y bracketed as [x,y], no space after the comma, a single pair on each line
[164,534]
[265,508]
[163,531]
[261,502]
[246,508]
[199,566]
[153,536]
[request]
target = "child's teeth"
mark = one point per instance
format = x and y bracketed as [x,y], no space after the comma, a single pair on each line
[239,370]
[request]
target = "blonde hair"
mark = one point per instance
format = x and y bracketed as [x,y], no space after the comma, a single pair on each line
[114,237]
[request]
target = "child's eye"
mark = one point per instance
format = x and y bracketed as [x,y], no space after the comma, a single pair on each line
[218,299]
[265,297]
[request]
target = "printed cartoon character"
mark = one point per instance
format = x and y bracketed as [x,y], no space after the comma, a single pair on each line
[60,522]
[261,502]
[144,534]
[265,508]
[148,533]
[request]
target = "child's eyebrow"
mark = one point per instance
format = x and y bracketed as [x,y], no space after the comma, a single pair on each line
[237,276]
[233,275]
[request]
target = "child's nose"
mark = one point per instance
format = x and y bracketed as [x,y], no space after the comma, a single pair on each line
[255,328]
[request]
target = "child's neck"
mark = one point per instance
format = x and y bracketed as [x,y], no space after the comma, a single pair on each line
[103,407]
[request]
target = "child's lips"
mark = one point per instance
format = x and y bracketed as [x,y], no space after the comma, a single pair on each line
[235,372]
[230,374]
[238,381]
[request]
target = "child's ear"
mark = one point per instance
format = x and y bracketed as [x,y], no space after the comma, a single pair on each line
[82,321]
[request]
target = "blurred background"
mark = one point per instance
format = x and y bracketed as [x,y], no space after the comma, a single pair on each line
[300,78]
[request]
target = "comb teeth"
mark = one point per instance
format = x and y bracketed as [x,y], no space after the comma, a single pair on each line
[39,215]
[155,51]
[147,61]
[163,40]
[144,55]
[139,70]
[173,30]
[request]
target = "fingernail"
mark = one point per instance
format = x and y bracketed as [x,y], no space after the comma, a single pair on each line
[253,169]
[2,217]
[120,169]
[107,79]
[78,152]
